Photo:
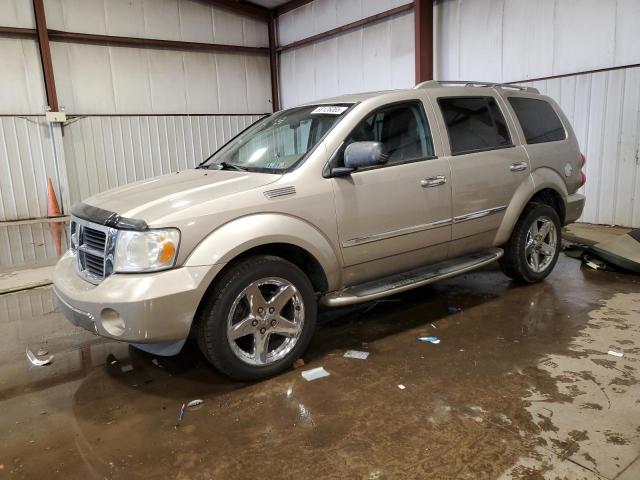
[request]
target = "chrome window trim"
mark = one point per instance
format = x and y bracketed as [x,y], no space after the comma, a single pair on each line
[478,214]
[396,233]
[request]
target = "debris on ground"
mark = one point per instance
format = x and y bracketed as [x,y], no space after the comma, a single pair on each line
[454,309]
[594,263]
[434,340]
[433,325]
[298,363]
[181,413]
[615,354]
[360,355]
[126,368]
[156,363]
[36,361]
[42,352]
[314,374]
[401,387]
[194,403]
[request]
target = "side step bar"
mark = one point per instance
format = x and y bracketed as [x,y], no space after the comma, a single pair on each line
[401,282]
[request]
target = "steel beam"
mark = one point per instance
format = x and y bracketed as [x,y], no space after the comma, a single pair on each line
[45,55]
[347,27]
[273,57]
[423,19]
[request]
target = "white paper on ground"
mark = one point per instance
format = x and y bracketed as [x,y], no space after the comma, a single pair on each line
[360,355]
[401,387]
[314,374]
[615,354]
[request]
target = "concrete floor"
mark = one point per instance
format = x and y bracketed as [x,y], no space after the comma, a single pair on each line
[520,386]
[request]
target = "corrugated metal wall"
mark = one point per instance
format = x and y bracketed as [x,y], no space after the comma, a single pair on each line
[106,152]
[27,159]
[604,109]
[513,40]
[378,56]
[99,79]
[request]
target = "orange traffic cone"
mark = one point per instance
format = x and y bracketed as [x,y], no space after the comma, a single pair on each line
[53,209]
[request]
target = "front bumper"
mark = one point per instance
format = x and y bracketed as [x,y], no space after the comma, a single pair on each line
[136,308]
[574,207]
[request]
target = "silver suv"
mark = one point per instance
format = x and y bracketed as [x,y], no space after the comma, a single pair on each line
[332,203]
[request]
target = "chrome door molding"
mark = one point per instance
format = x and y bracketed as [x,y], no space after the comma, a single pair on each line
[478,214]
[396,233]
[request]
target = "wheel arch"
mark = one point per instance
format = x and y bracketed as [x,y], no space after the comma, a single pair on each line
[543,186]
[275,234]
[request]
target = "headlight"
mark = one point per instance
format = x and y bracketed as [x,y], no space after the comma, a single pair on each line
[146,251]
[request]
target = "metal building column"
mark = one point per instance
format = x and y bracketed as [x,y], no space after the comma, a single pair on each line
[423,17]
[45,54]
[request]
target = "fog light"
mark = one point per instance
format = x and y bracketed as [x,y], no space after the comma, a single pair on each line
[112,322]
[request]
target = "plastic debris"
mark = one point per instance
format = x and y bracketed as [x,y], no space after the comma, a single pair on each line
[314,374]
[434,340]
[181,413]
[356,354]
[156,363]
[42,352]
[454,309]
[36,361]
[615,354]
[194,403]
[401,387]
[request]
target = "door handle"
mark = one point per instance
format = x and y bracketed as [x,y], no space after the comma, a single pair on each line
[433,181]
[518,166]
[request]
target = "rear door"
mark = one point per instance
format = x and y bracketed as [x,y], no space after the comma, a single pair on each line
[487,166]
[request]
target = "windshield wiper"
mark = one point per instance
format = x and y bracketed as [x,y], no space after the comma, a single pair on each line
[233,166]
[224,166]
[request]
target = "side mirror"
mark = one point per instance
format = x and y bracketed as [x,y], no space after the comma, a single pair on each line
[365,154]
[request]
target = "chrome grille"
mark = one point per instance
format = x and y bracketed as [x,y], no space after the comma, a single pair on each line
[93,245]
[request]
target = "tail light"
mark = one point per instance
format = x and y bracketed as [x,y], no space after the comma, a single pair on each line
[583,176]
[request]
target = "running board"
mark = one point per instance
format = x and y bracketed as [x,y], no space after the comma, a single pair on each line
[401,282]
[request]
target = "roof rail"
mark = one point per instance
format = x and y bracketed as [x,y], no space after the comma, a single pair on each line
[471,83]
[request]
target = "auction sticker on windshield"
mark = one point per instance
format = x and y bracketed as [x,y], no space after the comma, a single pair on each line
[329,109]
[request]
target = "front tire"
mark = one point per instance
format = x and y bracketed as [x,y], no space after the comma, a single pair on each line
[258,319]
[534,246]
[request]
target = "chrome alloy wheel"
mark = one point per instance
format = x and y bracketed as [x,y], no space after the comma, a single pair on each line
[265,321]
[541,244]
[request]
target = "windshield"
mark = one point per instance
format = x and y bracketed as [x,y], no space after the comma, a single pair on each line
[278,142]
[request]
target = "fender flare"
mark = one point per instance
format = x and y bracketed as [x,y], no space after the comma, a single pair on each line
[540,179]
[242,234]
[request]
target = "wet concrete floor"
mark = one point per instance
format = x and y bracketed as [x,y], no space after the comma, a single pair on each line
[520,386]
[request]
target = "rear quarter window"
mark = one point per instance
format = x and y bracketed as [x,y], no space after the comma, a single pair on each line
[474,124]
[539,122]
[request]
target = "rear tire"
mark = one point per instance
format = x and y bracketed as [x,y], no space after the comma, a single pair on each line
[534,246]
[258,319]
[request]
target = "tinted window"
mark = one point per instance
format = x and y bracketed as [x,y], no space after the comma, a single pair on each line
[402,128]
[538,120]
[474,123]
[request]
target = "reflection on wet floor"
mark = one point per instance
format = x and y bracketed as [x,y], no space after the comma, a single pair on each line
[31,243]
[509,390]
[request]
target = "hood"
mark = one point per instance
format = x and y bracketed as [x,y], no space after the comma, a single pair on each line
[160,197]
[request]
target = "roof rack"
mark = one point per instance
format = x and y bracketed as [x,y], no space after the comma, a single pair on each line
[470,83]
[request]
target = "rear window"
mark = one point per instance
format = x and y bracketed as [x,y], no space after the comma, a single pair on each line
[474,124]
[538,120]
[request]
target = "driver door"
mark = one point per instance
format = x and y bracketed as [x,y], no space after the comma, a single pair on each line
[396,216]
